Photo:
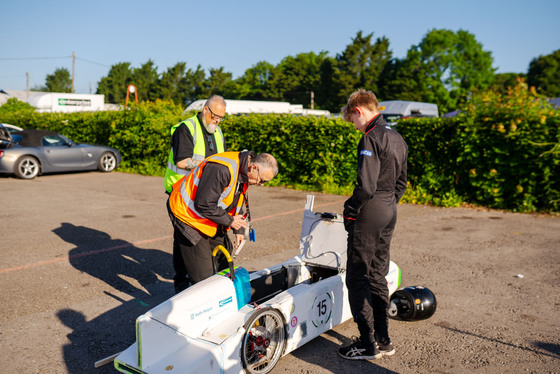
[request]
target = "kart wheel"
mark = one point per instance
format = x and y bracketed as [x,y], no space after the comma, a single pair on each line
[27,167]
[107,162]
[264,340]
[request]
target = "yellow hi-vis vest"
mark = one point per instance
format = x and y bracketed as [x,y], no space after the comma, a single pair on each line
[173,173]
[181,200]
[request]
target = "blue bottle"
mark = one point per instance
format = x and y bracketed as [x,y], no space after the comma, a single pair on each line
[242,284]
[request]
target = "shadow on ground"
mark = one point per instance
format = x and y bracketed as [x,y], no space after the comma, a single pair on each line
[330,361]
[134,271]
[546,349]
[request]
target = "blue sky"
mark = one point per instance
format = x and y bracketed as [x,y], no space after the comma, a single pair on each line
[39,36]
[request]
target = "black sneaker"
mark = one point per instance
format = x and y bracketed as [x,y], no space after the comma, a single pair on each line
[386,349]
[357,351]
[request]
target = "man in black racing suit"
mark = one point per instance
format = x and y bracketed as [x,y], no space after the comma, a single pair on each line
[370,215]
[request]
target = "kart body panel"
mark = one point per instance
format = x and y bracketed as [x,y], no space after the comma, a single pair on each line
[202,330]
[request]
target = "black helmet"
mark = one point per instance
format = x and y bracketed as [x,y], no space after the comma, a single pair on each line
[412,304]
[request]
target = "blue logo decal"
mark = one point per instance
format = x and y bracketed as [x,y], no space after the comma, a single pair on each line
[366,153]
[226,301]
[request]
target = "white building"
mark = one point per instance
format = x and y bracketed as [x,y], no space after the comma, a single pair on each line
[47,102]
[21,95]
[66,102]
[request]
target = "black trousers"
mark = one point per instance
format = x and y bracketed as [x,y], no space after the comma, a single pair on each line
[368,264]
[194,263]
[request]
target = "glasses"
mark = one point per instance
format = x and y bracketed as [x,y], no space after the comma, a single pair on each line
[260,180]
[215,116]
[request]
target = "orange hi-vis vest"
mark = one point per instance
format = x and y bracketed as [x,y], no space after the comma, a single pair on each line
[181,200]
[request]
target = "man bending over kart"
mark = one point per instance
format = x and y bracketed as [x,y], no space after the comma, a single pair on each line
[205,204]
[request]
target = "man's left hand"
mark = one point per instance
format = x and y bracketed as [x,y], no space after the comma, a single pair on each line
[238,222]
[238,239]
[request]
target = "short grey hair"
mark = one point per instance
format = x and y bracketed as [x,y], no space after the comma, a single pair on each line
[266,161]
[215,99]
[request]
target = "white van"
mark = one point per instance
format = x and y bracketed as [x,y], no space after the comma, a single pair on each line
[262,107]
[394,110]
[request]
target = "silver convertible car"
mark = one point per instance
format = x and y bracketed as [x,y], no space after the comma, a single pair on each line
[29,153]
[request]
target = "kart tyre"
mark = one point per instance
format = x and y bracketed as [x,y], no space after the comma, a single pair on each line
[264,341]
[27,167]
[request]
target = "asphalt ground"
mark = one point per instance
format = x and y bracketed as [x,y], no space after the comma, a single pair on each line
[83,254]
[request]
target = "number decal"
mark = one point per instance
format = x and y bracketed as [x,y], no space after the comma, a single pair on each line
[321,309]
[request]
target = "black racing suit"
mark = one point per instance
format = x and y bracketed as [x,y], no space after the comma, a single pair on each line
[370,215]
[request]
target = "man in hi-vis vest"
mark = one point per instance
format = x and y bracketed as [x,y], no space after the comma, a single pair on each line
[205,204]
[194,139]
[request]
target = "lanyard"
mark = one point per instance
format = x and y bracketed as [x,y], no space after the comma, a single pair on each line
[249,224]
[246,200]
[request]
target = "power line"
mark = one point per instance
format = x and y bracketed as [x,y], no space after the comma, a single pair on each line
[32,58]
[51,58]
[92,62]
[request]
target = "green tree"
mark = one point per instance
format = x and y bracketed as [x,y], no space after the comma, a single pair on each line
[256,83]
[191,87]
[400,79]
[445,68]
[179,84]
[146,79]
[59,81]
[114,85]
[326,91]
[218,82]
[299,76]
[170,83]
[360,65]
[544,74]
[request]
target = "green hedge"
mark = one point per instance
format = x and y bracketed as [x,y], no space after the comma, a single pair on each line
[464,160]
[494,155]
[313,153]
[502,151]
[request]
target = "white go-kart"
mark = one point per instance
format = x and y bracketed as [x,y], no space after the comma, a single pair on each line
[247,322]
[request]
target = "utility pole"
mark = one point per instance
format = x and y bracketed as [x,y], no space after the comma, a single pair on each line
[73,60]
[27,75]
[312,99]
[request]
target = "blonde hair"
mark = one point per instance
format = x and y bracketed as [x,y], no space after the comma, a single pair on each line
[363,98]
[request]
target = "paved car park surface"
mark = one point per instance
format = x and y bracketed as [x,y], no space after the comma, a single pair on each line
[83,254]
